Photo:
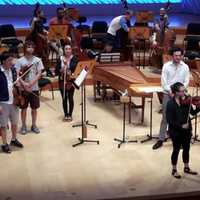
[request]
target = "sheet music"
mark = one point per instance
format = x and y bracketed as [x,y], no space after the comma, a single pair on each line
[81,77]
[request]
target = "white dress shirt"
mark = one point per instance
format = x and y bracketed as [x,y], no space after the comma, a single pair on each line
[172,73]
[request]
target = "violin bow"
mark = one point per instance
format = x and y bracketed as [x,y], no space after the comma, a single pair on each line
[25,73]
[190,105]
[64,82]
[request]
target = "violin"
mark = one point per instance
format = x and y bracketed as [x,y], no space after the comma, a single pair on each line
[67,77]
[18,98]
[25,70]
[189,100]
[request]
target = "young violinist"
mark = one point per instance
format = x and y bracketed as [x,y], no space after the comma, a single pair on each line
[8,111]
[29,84]
[65,67]
[172,72]
[180,128]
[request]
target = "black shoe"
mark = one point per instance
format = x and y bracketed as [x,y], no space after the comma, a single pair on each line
[6,148]
[175,174]
[187,170]
[158,144]
[16,143]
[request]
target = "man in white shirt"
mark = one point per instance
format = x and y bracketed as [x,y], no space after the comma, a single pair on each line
[172,72]
[8,111]
[115,25]
[30,85]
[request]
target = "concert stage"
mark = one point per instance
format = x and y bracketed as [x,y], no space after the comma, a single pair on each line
[50,168]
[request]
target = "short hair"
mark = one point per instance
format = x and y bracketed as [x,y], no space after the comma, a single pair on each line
[175,49]
[29,43]
[5,55]
[176,86]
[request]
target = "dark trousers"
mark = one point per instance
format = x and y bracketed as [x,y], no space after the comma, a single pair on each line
[180,140]
[68,101]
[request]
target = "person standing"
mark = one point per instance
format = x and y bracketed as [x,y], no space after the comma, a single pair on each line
[30,85]
[65,67]
[172,72]
[178,113]
[8,111]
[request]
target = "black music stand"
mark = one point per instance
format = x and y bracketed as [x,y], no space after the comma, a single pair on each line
[196,76]
[125,100]
[81,65]
[83,114]
[83,121]
[195,138]
[150,135]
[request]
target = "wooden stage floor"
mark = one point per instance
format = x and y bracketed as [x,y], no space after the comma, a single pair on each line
[50,168]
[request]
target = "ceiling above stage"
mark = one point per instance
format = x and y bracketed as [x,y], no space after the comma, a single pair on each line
[80,2]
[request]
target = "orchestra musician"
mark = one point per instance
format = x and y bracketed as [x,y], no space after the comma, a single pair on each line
[60,19]
[8,111]
[180,128]
[163,22]
[39,34]
[29,84]
[172,72]
[163,38]
[65,67]
[120,22]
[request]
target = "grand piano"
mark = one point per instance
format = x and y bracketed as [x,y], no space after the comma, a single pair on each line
[125,76]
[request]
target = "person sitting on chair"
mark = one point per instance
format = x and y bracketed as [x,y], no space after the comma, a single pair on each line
[115,25]
[180,127]
[65,67]
[38,35]
[60,19]
[172,72]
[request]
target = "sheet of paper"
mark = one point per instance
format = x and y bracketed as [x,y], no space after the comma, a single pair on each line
[81,77]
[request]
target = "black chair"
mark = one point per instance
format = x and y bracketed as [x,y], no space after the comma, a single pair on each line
[192,40]
[43,82]
[86,43]
[83,27]
[8,35]
[99,29]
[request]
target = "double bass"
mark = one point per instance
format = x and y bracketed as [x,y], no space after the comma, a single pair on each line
[39,35]
[164,39]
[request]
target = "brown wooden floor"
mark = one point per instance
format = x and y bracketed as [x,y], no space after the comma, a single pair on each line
[50,168]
